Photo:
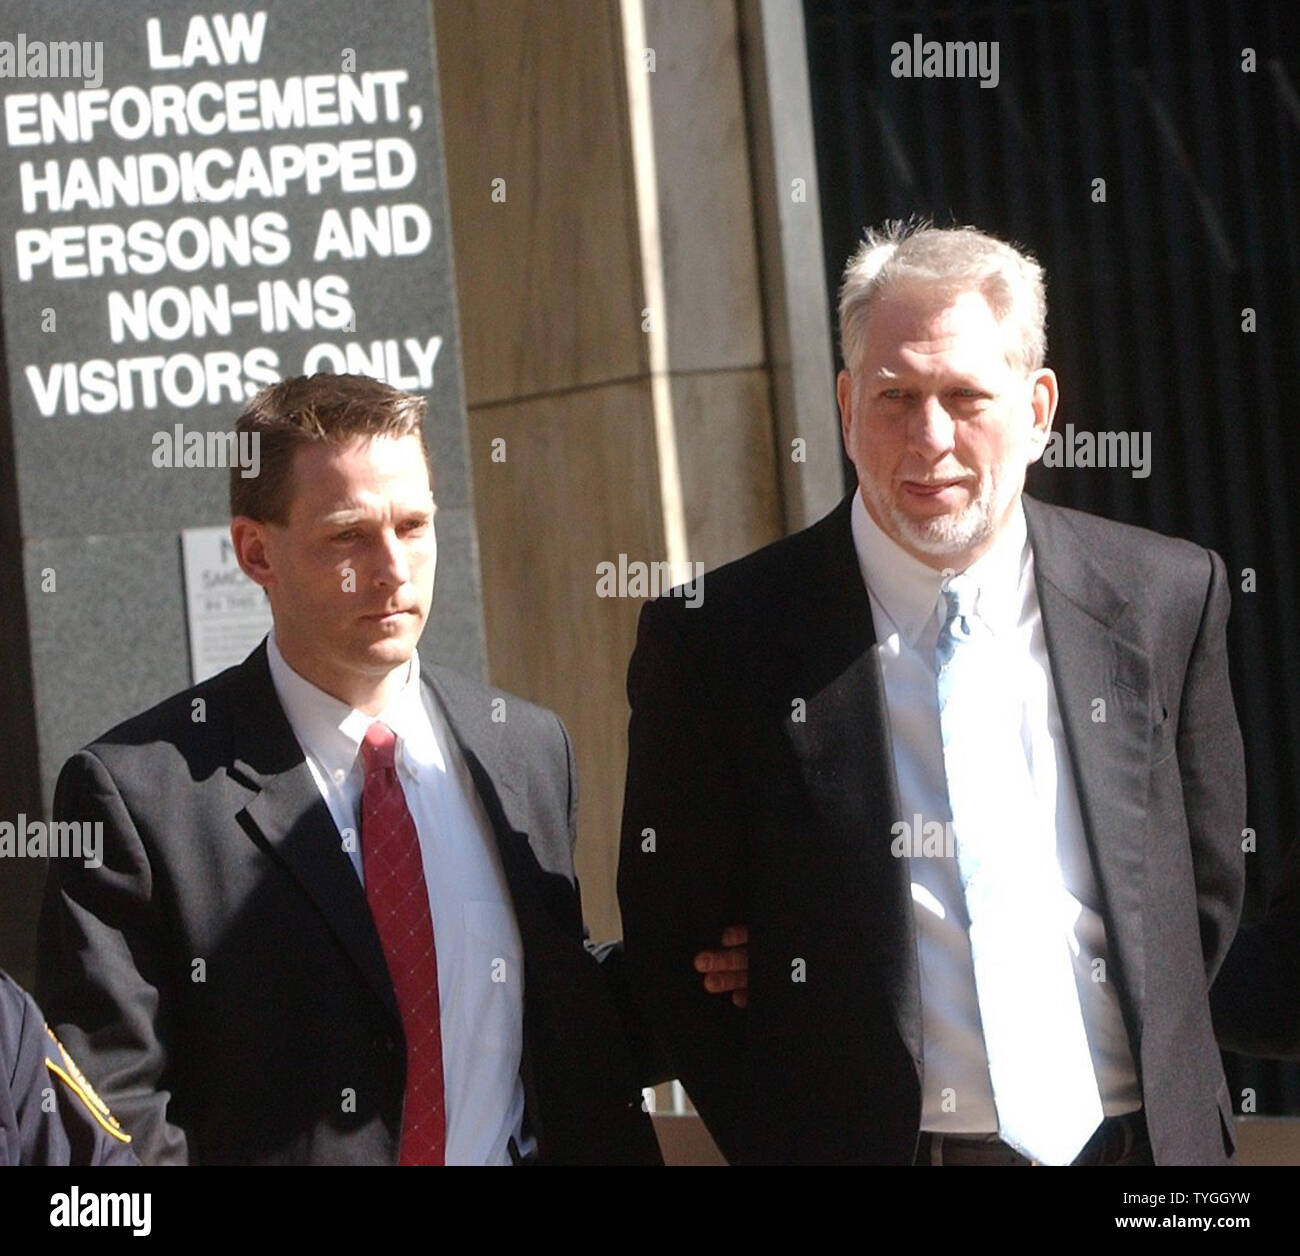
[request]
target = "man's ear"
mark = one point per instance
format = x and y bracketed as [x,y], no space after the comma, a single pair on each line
[844,395]
[248,536]
[1043,397]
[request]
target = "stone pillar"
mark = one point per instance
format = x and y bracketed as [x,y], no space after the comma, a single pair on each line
[645,329]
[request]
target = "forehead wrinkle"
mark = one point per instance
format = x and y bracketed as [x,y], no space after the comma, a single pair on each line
[929,369]
[364,510]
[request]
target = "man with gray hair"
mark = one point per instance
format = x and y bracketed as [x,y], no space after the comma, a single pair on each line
[966,763]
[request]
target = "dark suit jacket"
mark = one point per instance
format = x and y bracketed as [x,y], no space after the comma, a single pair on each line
[1256,996]
[221,977]
[737,810]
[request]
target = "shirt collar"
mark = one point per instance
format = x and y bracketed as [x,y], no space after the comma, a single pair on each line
[908,590]
[332,731]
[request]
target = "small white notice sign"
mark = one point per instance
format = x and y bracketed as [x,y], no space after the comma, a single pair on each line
[228,614]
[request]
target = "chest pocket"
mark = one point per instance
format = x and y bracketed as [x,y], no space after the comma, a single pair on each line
[493,977]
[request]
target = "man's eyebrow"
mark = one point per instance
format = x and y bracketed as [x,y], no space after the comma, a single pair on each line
[356,514]
[342,514]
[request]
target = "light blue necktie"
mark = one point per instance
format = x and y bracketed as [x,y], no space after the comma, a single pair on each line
[1044,1084]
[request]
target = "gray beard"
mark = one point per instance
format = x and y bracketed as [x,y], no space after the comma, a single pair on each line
[944,534]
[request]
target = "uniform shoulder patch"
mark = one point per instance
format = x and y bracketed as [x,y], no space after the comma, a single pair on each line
[66,1070]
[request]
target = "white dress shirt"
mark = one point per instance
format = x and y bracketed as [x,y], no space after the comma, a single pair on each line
[480,956]
[907,611]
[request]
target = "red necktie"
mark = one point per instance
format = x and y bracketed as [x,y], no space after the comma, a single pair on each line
[399,903]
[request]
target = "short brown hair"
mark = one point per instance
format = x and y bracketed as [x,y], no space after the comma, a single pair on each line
[320,409]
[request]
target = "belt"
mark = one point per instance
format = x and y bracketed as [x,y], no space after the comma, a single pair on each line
[1117,1140]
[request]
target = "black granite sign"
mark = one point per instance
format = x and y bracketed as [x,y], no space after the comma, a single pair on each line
[196,200]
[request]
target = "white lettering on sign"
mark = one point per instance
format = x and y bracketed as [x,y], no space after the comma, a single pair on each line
[213,207]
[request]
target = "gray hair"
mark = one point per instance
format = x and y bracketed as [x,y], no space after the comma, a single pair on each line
[949,261]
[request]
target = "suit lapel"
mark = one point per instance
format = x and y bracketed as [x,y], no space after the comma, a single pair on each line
[1094,656]
[846,755]
[498,775]
[288,813]
[493,763]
